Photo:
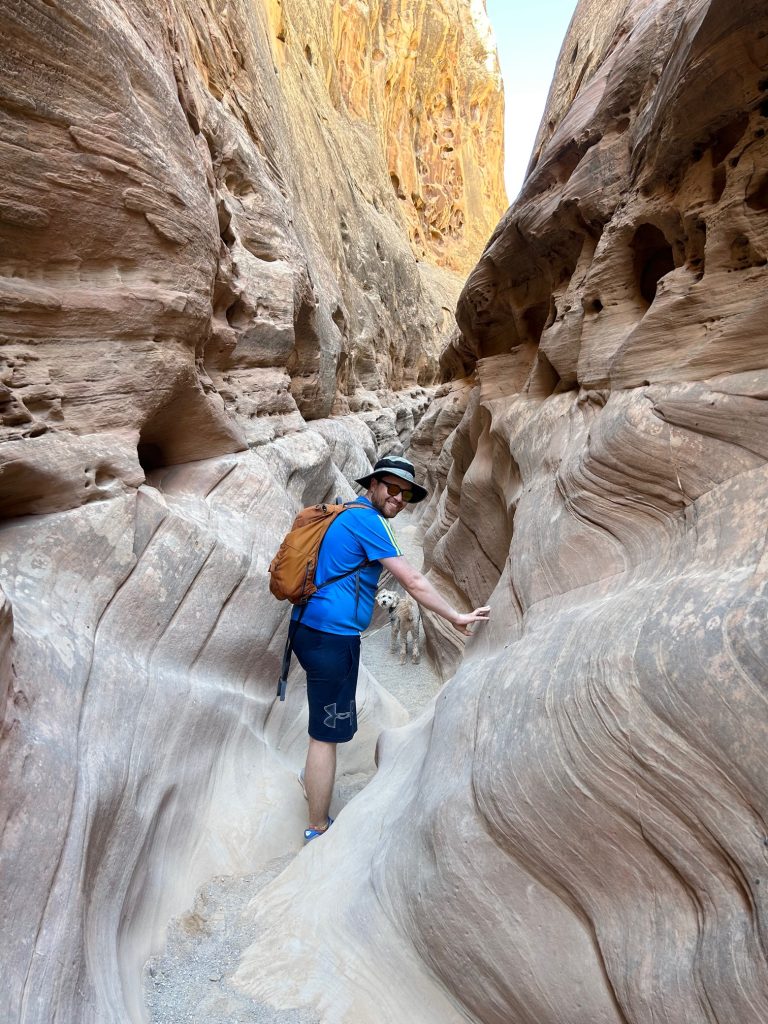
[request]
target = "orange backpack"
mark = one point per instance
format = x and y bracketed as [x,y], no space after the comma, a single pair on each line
[292,570]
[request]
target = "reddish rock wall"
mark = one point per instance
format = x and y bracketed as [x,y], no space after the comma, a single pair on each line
[201,240]
[578,831]
[201,253]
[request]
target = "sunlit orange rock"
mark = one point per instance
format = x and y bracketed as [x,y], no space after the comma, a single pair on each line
[202,257]
[439,120]
[577,831]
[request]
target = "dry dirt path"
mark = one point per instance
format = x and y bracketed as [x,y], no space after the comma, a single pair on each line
[188,983]
[413,685]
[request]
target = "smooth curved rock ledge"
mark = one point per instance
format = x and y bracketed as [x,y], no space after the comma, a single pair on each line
[578,832]
[144,748]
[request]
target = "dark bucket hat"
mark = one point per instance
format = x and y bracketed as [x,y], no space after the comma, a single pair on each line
[396,465]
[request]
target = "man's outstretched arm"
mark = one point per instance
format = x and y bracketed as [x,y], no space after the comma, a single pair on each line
[422,591]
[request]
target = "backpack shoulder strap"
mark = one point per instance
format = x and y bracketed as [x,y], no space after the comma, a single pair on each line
[357,568]
[294,623]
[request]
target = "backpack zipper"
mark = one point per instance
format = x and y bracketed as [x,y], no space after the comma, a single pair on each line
[306,577]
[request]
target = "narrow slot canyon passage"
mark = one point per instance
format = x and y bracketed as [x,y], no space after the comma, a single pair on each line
[188,983]
[248,251]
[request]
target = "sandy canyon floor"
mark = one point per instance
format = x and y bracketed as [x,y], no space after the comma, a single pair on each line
[189,982]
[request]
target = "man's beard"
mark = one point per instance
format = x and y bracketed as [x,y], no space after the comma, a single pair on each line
[381,507]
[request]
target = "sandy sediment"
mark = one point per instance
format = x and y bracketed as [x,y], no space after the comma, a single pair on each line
[188,983]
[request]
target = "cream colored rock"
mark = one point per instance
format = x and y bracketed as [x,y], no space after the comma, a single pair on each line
[200,251]
[216,239]
[6,663]
[58,470]
[352,449]
[364,315]
[578,829]
[391,417]
[157,754]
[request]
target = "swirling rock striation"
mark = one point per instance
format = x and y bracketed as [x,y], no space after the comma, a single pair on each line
[578,832]
[211,312]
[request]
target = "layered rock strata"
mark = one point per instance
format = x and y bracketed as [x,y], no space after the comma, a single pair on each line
[202,258]
[578,831]
[143,749]
[439,120]
[201,240]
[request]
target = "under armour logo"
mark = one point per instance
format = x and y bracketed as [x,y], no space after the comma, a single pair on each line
[333,716]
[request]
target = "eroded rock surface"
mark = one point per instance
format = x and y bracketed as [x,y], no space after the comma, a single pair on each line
[201,241]
[440,120]
[144,751]
[203,266]
[579,832]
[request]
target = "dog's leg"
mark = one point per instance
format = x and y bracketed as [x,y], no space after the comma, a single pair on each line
[403,642]
[415,649]
[393,635]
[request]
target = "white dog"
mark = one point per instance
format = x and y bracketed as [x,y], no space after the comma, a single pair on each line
[404,619]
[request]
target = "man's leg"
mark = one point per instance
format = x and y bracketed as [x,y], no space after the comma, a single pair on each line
[319,777]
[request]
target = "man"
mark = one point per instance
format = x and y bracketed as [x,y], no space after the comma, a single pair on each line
[327,640]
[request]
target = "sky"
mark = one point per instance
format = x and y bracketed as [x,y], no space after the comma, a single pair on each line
[529,34]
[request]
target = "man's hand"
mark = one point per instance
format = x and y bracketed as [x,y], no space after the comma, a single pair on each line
[461,622]
[422,591]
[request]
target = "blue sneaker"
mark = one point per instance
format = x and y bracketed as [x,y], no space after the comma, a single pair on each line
[313,833]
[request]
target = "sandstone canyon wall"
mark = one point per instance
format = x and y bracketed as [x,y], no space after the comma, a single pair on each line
[577,831]
[202,257]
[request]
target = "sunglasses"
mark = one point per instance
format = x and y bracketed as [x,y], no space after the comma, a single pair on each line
[393,490]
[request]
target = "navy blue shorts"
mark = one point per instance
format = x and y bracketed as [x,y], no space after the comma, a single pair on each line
[331,661]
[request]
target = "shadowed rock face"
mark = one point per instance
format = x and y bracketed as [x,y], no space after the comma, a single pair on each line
[201,240]
[201,251]
[578,832]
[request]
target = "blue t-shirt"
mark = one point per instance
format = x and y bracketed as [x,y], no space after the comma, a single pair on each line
[346,606]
